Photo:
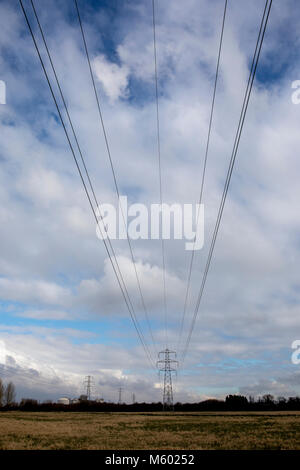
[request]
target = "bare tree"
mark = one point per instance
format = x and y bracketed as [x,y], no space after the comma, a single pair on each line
[9,394]
[1,392]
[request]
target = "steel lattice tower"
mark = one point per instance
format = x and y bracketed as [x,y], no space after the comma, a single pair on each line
[168,366]
[120,396]
[89,383]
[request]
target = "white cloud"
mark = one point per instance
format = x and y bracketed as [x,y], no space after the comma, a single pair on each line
[46,314]
[42,185]
[33,291]
[113,77]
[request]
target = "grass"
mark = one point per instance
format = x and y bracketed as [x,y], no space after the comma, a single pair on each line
[66,430]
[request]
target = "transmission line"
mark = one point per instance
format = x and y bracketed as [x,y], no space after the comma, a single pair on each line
[113,172]
[159,170]
[78,146]
[254,64]
[203,174]
[131,312]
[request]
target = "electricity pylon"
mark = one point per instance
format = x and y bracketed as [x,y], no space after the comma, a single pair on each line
[168,366]
[89,383]
[120,396]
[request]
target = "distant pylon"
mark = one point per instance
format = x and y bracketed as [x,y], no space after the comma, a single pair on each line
[167,365]
[89,383]
[133,398]
[120,395]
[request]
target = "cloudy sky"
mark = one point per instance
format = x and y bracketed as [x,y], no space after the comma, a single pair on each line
[62,313]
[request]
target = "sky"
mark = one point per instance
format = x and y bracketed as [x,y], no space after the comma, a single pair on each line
[62,315]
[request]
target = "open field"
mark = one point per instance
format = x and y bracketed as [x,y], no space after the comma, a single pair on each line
[67,430]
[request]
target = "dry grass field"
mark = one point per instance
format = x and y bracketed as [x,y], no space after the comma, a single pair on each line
[66,430]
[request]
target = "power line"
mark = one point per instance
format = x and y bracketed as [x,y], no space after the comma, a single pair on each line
[255,60]
[132,314]
[114,173]
[159,169]
[79,149]
[203,173]
[78,146]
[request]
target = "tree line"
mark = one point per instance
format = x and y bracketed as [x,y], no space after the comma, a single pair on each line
[231,403]
[7,394]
